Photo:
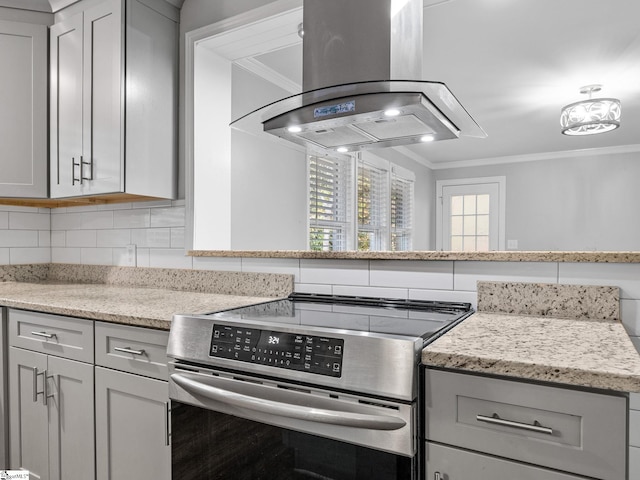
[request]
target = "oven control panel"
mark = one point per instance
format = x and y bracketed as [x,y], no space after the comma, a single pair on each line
[306,353]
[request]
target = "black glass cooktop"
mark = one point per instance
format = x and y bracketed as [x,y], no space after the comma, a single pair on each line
[415,318]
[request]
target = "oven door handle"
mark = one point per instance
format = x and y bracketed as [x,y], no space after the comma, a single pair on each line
[299,412]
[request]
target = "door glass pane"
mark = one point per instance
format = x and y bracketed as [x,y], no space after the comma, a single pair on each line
[483,204]
[482,244]
[456,205]
[469,225]
[482,225]
[469,244]
[469,204]
[456,243]
[456,225]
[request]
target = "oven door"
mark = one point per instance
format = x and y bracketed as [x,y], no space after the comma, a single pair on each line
[232,426]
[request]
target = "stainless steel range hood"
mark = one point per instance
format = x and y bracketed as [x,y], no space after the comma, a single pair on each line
[362,61]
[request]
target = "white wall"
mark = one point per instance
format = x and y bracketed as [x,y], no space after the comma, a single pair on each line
[588,202]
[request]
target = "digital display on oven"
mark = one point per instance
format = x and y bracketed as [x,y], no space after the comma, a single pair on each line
[306,353]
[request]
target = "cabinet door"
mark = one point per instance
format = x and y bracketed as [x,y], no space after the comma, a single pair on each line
[71,420]
[23,116]
[103,98]
[446,463]
[131,426]
[66,107]
[29,442]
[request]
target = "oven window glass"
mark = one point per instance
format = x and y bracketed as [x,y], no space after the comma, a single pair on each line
[211,445]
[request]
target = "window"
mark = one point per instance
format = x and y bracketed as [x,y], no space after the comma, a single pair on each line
[372,207]
[330,186]
[470,214]
[369,211]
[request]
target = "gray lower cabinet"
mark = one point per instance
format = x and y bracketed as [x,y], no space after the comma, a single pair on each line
[447,463]
[132,427]
[52,420]
[503,424]
[132,403]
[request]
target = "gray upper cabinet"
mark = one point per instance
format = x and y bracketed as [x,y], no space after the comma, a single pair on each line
[113,98]
[23,116]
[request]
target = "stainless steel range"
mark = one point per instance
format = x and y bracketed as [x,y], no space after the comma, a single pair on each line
[310,387]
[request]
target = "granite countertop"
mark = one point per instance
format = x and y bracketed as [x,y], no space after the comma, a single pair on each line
[581,352]
[569,334]
[139,306]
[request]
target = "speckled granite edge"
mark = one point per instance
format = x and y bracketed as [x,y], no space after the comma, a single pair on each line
[204,281]
[496,256]
[587,302]
[24,273]
[531,371]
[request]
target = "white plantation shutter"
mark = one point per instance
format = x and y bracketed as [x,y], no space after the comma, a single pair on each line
[401,213]
[373,194]
[330,186]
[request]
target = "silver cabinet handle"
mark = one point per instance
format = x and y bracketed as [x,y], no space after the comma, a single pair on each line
[437,476]
[129,350]
[496,420]
[82,164]
[43,334]
[36,374]
[73,171]
[299,412]
[167,423]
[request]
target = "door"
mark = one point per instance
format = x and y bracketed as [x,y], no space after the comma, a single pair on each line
[66,107]
[23,116]
[70,414]
[28,423]
[103,101]
[132,426]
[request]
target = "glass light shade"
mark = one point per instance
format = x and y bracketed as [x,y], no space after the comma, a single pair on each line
[588,117]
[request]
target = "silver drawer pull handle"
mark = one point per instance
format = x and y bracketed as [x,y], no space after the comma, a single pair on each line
[496,420]
[437,476]
[44,334]
[129,350]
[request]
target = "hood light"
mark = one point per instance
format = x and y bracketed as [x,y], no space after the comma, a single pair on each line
[427,138]
[294,129]
[342,149]
[392,112]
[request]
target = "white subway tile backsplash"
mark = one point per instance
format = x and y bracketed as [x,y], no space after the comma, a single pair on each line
[65,255]
[168,258]
[445,296]
[151,237]
[226,264]
[115,206]
[21,256]
[142,257]
[153,204]
[626,276]
[81,238]
[289,266]
[167,217]
[96,256]
[4,220]
[97,220]
[378,292]
[313,288]
[113,238]
[29,221]
[467,274]
[177,237]
[58,238]
[4,256]
[630,313]
[412,274]
[44,238]
[18,238]
[136,218]
[66,221]
[121,258]
[339,272]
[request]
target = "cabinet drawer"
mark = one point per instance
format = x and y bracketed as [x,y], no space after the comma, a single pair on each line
[52,334]
[137,350]
[570,430]
[454,464]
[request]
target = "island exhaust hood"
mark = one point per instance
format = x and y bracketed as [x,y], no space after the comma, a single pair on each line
[362,61]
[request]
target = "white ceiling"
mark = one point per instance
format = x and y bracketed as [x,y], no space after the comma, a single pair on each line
[513,64]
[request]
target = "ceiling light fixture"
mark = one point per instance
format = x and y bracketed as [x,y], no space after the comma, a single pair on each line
[592,116]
